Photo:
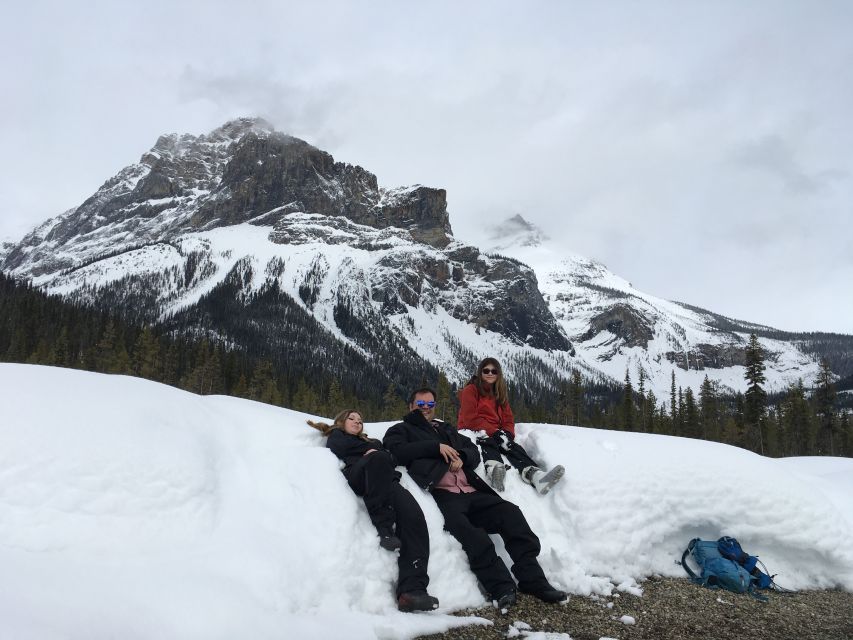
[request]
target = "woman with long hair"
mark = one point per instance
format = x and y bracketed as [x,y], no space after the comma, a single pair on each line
[371,473]
[484,406]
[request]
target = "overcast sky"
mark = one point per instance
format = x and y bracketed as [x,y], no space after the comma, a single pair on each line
[702,150]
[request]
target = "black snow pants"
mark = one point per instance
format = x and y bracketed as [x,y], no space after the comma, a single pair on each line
[515,453]
[471,517]
[375,479]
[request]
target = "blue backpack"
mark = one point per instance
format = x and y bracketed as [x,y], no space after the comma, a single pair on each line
[723,564]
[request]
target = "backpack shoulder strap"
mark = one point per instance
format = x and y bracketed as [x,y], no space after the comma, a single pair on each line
[684,564]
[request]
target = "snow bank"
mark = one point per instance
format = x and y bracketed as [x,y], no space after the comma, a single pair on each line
[131,509]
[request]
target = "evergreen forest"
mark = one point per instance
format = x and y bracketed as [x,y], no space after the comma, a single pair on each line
[313,372]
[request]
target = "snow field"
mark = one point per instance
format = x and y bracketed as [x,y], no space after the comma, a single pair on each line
[132,509]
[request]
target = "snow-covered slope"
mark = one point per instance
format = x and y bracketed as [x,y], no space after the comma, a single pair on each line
[614,327]
[131,509]
[437,300]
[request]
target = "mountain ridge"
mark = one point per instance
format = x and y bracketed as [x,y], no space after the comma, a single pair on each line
[258,208]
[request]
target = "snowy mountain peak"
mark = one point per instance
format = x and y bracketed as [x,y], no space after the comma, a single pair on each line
[240,172]
[175,145]
[239,127]
[516,232]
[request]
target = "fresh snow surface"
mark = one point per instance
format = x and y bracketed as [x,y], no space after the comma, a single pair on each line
[131,509]
[577,289]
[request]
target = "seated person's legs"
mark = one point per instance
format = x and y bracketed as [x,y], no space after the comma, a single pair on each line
[414,539]
[372,478]
[498,516]
[482,558]
[493,461]
[503,442]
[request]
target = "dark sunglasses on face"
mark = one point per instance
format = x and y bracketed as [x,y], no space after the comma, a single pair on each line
[425,403]
[490,371]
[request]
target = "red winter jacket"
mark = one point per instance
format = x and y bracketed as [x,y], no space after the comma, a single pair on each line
[482,412]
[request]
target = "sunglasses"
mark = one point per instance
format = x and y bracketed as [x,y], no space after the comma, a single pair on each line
[489,371]
[425,403]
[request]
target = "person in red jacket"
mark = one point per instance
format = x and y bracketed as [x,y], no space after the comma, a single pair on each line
[484,406]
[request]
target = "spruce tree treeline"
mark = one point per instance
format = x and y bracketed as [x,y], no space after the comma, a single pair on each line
[37,328]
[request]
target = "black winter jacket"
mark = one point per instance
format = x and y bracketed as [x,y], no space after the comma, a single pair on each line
[350,448]
[415,444]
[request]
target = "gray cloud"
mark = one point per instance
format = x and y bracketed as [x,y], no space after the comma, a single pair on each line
[771,153]
[694,148]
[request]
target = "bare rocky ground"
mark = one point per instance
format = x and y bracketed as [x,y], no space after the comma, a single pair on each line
[672,609]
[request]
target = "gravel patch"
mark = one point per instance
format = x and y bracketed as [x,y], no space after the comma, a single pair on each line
[670,609]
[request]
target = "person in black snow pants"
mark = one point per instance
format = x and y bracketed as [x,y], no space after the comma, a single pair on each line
[442,461]
[370,472]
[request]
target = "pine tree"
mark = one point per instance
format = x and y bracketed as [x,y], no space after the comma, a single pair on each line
[198,380]
[824,400]
[563,410]
[678,417]
[846,433]
[650,420]
[18,350]
[392,405]
[663,420]
[444,404]
[213,375]
[122,357]
[105,349]
[335,402]
[61,354]
[170,371]
[628,403]
[736,430]
[241,389]
[773,444]
[146,355]
[264,388]
[691,415]
[641,400]
[795,424]
[575,398]
[708,411]
[755,398]
[673,407]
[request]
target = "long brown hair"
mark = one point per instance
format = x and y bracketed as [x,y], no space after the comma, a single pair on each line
[498,390]
[338,423]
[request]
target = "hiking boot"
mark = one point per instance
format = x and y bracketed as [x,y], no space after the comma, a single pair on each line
[541,481]
[506,600]
[550,594]
[416,601]
[544,591]
[389,542]
[496,472]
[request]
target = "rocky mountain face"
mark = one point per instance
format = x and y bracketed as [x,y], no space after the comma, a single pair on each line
[269,227]
[246,210]
[243,171]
